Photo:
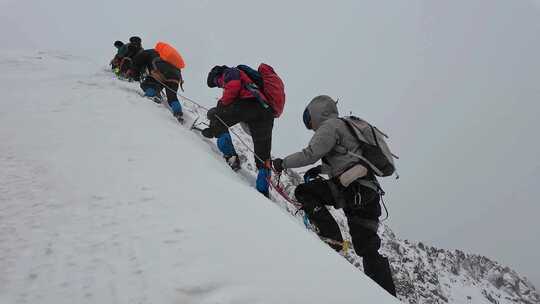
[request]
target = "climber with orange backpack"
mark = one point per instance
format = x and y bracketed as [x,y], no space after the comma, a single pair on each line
[250,97]
[163,65]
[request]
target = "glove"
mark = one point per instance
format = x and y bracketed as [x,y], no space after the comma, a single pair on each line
[312,173]
[277,163]
[211,113]
[208,133]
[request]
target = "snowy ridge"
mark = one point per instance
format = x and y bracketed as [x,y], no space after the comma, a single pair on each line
[104,198]
[108,200]
[425,274]
[422,274]
[430,275]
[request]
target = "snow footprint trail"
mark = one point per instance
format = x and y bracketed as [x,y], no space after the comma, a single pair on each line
[36,207]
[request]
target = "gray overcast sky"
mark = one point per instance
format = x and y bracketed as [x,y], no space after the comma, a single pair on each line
[454,83]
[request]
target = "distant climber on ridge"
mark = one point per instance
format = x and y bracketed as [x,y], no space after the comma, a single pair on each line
[163,64]
[122,60]
[115,62]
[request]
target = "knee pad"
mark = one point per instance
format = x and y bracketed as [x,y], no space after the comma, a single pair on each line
[262,180]
[175,106]
[225,145]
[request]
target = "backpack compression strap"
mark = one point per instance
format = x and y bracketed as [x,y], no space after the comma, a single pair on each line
[159,76]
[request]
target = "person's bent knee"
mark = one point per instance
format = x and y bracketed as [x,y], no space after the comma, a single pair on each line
[366,245]
[300,193]
[225,145]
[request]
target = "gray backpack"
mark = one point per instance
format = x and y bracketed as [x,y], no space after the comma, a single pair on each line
[374,149]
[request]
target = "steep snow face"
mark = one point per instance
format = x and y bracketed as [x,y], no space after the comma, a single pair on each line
[104,198]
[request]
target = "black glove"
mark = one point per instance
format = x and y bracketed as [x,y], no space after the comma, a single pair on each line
[211,113]
[277,163]
[208,133]
[312,173]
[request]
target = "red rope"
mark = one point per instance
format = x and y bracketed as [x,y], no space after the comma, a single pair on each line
[277,187]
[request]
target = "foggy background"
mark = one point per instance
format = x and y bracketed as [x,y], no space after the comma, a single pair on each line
[454,84]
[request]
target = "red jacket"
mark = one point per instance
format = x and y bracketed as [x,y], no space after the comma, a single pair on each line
[233,82]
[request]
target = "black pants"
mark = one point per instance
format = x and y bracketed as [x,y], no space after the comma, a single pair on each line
[150,82]
[259,119]
[315,194]
[362,217]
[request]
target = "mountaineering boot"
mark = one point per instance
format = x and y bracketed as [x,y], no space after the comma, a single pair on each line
[334,244]
[207,132]
[179,116]
[234,162]
[378,269]
[326,227]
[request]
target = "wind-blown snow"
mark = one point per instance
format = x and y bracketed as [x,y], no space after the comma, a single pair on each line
[104,198]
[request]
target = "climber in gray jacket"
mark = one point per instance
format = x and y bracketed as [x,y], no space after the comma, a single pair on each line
[351,186]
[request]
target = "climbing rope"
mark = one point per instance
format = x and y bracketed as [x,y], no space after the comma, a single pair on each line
[277,187]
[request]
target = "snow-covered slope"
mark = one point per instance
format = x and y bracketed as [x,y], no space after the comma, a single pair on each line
[104,198]
[425,274]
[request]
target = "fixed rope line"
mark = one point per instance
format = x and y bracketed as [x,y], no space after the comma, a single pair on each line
[218,118]
[277,187]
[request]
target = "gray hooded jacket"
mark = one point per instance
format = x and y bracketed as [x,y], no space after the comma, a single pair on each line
[331,140]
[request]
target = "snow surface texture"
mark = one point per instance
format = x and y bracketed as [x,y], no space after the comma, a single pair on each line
[426,274]
[108,200]
[104,198]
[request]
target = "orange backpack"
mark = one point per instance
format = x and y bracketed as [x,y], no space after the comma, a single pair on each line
[170,54]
